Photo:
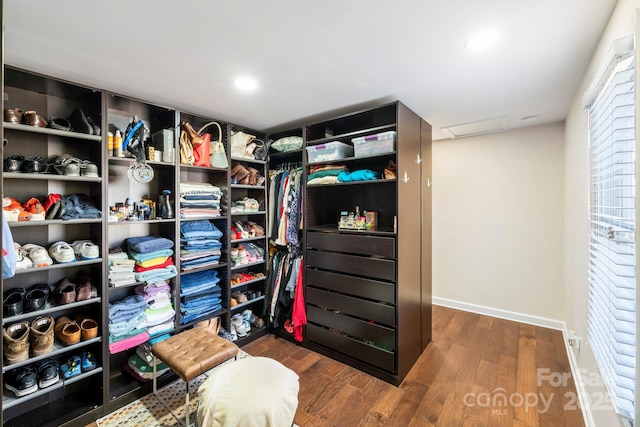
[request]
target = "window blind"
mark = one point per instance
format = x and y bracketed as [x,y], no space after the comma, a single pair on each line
[612,260]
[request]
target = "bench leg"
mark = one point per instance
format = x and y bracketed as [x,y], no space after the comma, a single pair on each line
[167,407]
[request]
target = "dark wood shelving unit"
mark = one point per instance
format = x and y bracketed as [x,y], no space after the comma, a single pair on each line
[367,291]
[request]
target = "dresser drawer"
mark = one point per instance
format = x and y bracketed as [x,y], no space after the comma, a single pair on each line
[352,243]
[358,286]
[358,350]
[356,327]
[378,312]
[377,268]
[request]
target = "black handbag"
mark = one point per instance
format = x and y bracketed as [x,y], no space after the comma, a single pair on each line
[262,149]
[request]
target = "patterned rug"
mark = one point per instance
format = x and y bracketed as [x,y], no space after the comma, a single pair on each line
[149,412]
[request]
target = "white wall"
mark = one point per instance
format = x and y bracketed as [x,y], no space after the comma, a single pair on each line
[576,192]
[498,220]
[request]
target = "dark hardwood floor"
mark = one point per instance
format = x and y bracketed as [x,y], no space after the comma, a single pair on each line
[478,371]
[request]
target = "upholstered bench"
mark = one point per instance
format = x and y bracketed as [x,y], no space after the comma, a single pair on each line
[189,354]
[250,392]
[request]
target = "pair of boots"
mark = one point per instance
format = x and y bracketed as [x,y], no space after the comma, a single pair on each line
[20,336]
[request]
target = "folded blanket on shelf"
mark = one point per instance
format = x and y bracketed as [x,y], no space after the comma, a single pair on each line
[127,307]
[156,274]
[146,256]
[128,343]
[359,175]
[144,244]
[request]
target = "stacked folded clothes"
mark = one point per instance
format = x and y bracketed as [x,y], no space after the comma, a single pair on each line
[324,174]
[127,323]
[120,268]
[160,314]
[140,364]
[200,244]
[200,295]
[153,258]
[199,199]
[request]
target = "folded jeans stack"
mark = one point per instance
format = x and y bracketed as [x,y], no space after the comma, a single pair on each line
[200,244]
[200,295]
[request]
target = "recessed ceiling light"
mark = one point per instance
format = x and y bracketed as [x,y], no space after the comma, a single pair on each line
[530,118]
[484,40]
[245,83]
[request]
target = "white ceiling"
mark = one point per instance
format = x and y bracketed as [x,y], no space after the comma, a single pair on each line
[316,58]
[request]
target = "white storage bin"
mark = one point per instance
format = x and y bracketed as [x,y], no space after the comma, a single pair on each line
[371,145]
[335,150]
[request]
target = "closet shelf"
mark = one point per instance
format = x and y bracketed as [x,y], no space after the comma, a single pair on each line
[201,218]
[354,134]
[49,308]
[245,159]
[249,187]
[208,267]
[128,161]
[10,401]
[202,168]
[58,349]
[338,184]
[248,213]
[247,282]
[244,304]
[147,221]
[241,266]
[60,266]
[50,177]
[248,239]
[54,222]
[333,228]
[47,131]
[390,155]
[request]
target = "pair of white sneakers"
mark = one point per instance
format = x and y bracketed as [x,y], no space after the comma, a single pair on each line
[64,252]
[32,255]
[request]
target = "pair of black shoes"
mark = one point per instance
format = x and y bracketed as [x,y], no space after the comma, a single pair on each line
[81,123]
[19,300]
[18,163]
[26,380]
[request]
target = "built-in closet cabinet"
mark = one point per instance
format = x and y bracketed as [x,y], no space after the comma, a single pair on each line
[247,275]
[82,394]
[123,196]
[367,293]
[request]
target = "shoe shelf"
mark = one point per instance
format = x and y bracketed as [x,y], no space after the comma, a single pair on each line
[50,177]
[60,266]
[205,268]
[253,334]
[9,401]
[246,303]
[248,239]
[48,309]
[55,132]
[241,266]
[33,223]
[58,349]
[248,282]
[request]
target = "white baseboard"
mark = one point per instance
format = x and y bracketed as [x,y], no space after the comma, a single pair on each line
[536,321]
[501,314]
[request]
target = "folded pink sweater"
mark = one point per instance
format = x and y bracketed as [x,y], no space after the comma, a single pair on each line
[128,343]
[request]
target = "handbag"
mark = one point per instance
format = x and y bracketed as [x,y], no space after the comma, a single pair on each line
[262,149]
[217,153]
[390,171]
[241,145]
[186,149]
